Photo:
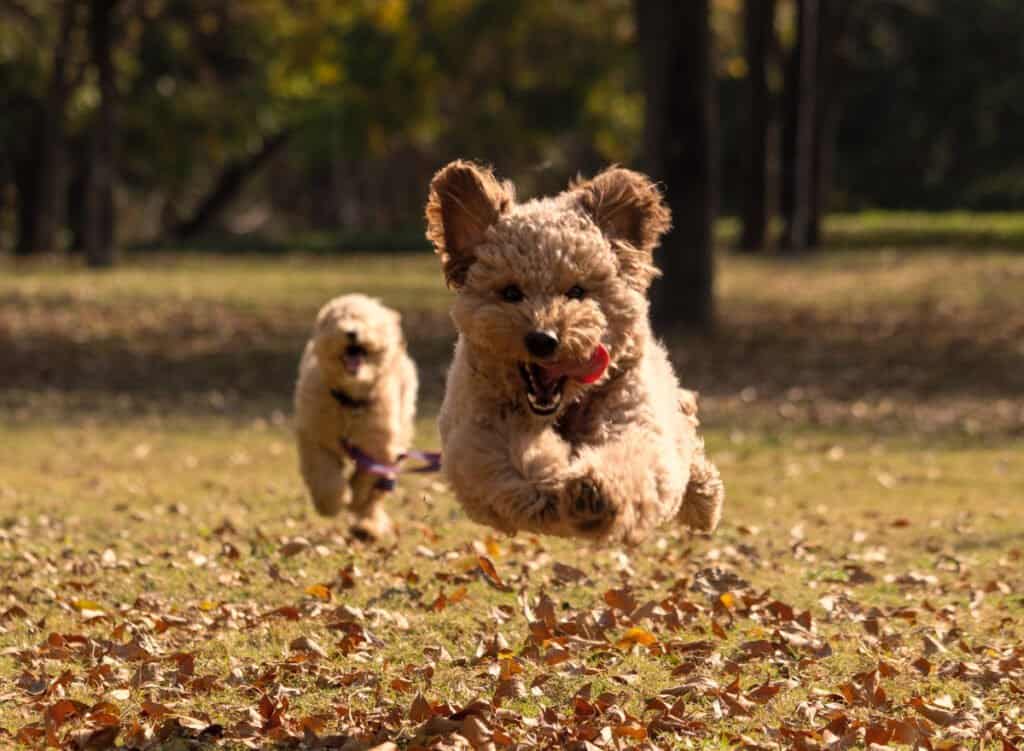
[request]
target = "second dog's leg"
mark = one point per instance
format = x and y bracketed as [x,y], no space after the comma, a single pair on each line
[372,521]
[324,476]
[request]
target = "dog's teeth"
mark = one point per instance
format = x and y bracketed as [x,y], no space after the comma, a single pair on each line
[543,401]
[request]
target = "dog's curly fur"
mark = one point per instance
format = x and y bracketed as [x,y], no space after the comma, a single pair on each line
[365,396]
[615,458]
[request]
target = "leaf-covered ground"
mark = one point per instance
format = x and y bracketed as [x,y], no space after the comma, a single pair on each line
[164,582]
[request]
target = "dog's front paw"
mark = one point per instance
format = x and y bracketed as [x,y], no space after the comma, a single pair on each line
[589,509]
[373,526]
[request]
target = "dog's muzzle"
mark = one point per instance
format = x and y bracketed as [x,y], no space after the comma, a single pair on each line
[353,358]
[545,383]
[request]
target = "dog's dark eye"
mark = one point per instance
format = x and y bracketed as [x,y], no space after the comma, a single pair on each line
[576,292]
[512,293]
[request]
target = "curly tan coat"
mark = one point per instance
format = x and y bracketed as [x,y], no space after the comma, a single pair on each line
[562,414]
[358,385]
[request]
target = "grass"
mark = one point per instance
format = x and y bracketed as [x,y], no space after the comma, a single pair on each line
[967,231]
[863,407]
[290,281]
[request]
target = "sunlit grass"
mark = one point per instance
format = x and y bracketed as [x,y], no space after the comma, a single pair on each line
[875,229]
[154,492]
[295,281]
[106,495]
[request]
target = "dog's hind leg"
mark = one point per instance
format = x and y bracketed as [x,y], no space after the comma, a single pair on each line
[705,491]
[324,476]
[372,521]
[705,495]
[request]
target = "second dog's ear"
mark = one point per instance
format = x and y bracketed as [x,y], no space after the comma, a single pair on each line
[626,206]
[464,201]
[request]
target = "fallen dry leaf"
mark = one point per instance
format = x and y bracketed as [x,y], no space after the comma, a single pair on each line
[319,591]
[491,573]
[636,635]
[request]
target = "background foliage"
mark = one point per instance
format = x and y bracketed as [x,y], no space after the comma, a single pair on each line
[367,98]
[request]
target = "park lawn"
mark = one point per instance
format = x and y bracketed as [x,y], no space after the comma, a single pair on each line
[164,575]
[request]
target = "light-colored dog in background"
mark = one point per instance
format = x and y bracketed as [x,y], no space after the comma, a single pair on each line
[356,388]
[562,413]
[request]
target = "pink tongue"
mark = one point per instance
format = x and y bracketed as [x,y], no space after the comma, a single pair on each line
[588,371]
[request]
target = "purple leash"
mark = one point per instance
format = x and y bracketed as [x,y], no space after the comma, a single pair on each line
[388,473]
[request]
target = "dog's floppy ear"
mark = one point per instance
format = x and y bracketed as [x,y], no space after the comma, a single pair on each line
[629,209]
[464,201]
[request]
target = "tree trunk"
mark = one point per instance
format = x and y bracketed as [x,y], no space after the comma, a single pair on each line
[759,26]
[835,16]
[79,153]
[100,211]
[38,159]
[26,187]
[49,208]
[227,187]
[675,45]
[806,121]
[790,117]
[812,112]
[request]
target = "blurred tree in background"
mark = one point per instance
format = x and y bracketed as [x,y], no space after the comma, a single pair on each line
[164,121]
[358,100]
[675,42]
[758,45]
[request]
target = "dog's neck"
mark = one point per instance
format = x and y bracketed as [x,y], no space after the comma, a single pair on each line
[347,401]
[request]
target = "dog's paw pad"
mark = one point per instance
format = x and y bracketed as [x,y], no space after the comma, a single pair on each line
[589,509]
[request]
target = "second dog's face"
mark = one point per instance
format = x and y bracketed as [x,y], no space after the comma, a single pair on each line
[552,291]
[355,339]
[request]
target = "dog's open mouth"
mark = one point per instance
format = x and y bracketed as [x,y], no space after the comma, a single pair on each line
[353,358]
[543,388]
[545,383]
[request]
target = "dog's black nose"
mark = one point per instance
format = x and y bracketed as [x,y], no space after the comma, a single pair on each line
[541,343]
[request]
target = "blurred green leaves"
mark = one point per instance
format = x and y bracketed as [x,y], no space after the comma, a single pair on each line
[203,82]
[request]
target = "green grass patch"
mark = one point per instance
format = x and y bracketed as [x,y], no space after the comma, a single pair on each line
[158,552]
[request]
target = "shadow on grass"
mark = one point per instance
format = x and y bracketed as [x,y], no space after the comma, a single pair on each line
[245,362]
[190,358]
[929,355]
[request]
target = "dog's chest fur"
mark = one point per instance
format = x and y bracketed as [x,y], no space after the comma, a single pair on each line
[374,424]
[585,421]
